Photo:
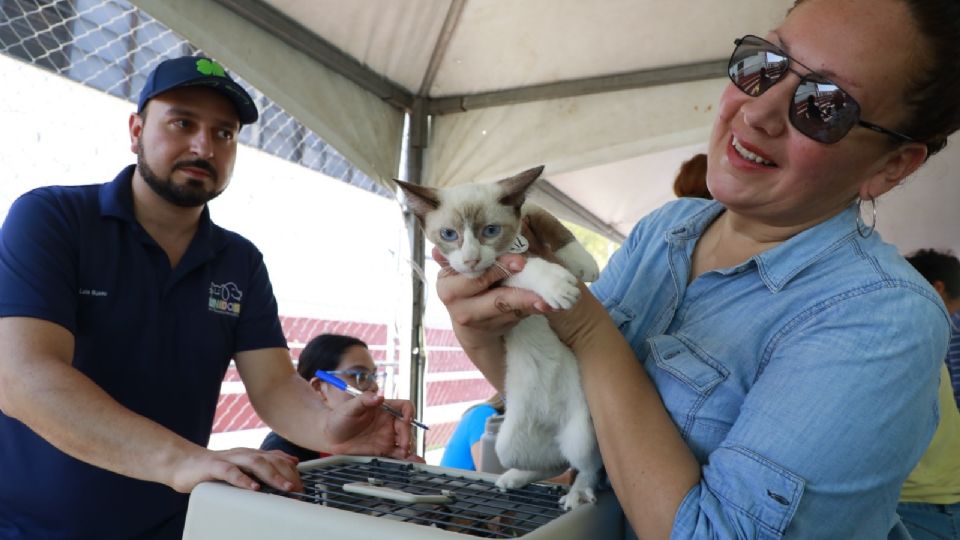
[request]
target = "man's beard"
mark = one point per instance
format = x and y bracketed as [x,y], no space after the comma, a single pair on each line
[190,195]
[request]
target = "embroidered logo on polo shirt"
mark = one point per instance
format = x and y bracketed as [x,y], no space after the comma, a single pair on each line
[225,298]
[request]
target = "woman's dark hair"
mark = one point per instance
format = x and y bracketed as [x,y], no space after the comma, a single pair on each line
[933,91]
[938,266]
[323,352]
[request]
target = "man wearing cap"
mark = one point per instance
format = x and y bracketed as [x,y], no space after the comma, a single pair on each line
[121,305]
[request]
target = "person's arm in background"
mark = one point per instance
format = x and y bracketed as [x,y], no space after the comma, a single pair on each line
[40,388]
[293,409]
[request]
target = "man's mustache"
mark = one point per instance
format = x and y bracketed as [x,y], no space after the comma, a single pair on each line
[201,164]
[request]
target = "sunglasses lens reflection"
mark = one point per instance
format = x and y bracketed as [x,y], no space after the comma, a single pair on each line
[754,67]
[822,111]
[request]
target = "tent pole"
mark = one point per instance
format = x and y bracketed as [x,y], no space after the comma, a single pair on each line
[416,144]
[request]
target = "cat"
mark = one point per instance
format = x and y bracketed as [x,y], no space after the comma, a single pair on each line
[547,425]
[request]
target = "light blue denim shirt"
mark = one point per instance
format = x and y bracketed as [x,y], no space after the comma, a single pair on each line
[804,380]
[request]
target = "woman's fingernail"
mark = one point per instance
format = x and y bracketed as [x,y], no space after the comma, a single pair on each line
[514,266]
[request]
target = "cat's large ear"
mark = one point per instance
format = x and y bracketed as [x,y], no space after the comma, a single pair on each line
[420,199]
[515,187]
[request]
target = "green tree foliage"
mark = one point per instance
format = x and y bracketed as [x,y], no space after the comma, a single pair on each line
[596,244]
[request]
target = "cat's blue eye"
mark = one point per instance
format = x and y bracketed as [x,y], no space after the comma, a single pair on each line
[491,231]
[449,235]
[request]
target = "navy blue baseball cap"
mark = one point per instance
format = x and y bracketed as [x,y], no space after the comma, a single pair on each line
[197,71]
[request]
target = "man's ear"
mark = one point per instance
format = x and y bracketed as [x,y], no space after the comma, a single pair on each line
[897,165]
[136,130]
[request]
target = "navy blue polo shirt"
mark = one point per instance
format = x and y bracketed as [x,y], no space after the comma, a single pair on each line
[156,339]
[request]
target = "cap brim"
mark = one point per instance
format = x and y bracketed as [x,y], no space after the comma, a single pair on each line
[246,110]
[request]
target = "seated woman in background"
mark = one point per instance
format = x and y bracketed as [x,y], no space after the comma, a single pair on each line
[463,448]
[344,356]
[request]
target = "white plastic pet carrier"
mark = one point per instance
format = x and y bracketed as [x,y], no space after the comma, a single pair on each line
[362,498]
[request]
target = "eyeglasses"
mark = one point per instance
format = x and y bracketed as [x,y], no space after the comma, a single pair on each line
[360,379]
[820,110]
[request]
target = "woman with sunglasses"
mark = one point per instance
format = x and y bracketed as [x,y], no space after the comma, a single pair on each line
[344,356]
[764,365]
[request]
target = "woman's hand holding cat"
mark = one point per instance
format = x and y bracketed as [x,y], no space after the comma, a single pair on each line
[482,311]
[575,326]
[480,303]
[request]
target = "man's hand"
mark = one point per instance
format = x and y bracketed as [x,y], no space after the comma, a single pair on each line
[359,426]
[242,467]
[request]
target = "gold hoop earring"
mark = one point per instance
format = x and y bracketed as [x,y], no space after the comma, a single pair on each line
[862,229]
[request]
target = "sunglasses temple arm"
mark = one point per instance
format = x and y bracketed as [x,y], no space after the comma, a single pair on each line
[886,131]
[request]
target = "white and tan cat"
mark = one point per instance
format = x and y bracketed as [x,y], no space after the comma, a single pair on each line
[547,424]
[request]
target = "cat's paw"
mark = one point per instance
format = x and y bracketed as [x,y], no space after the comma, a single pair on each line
[514,479]
[579,261]
[577,497]
[552,282]
[559,289]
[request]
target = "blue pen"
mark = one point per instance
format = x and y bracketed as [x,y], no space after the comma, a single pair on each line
[339,383]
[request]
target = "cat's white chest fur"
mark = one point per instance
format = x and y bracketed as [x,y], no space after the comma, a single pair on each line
[547,425]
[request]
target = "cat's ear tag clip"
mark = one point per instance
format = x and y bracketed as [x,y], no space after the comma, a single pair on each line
[519,245]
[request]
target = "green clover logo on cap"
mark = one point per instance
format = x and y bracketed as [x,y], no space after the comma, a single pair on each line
[209,67]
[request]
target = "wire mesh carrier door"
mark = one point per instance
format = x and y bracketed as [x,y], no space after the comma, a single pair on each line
[349,497]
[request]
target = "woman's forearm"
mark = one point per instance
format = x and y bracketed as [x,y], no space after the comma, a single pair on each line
[650,466]
[488,354]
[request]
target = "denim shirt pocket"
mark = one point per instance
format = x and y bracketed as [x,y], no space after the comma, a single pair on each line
[691,376]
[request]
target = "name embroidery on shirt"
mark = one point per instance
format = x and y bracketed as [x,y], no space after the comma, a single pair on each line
[225,298]
[92,292]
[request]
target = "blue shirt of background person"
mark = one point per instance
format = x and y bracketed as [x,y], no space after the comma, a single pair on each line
[953,356]
[350,358]
[460,450]
[942,269]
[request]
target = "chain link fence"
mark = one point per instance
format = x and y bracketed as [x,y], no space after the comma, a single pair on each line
[112,45]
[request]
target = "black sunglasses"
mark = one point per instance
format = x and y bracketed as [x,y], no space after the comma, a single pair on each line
[821,110]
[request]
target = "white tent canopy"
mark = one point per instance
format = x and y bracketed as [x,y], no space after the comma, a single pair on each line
[506,84]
